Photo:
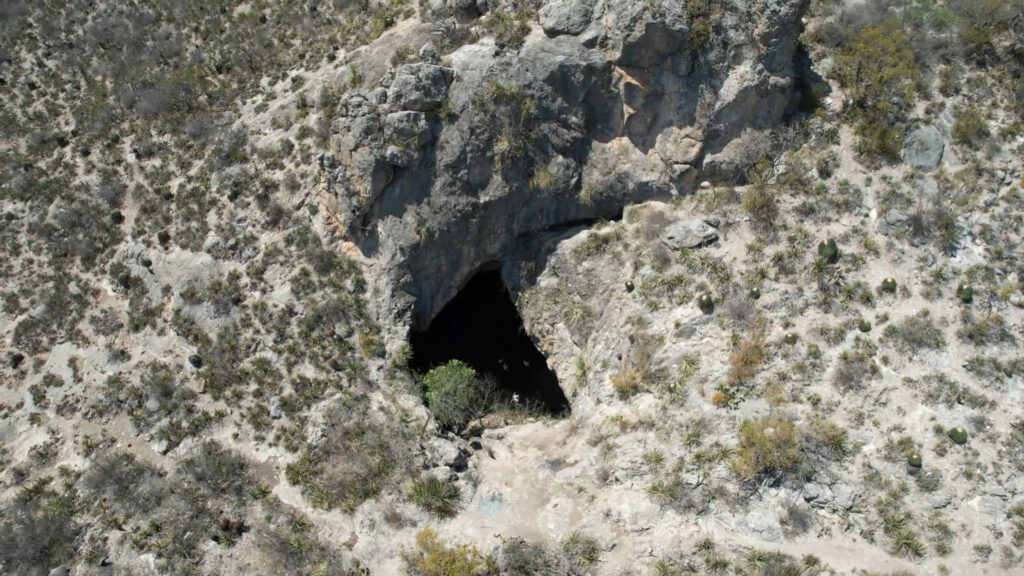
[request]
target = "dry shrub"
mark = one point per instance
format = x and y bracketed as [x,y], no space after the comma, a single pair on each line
[768,448]
[748,356]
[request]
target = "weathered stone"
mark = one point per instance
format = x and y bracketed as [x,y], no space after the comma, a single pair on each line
[419,86]
[894,221]
[566,16]
[407,128]
[609,108]
[923,147]
[689,233]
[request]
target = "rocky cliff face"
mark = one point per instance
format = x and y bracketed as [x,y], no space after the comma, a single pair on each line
[452,163]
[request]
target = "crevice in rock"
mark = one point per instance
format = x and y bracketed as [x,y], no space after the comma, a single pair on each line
[481,327]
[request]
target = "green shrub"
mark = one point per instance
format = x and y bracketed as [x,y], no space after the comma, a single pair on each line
[38,529]
[759,203]
[581,551]
[699,13]
[917,332]
[439,497]
[360,456]
[509,28]
[456,395]
[878,69]
[985,331]
[432,557]
[521,558]
[767,447]
[969,127]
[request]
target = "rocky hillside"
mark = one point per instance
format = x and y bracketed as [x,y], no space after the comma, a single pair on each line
[767,251]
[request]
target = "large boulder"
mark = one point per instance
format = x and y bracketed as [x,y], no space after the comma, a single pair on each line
[420,86]
[923,147]
[566,16]
[689,233]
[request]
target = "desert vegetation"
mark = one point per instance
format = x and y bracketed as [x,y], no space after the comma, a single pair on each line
[778,286]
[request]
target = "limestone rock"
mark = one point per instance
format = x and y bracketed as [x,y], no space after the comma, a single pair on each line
[566,16]
[420,86]
[530,140]
[923,147]
[689,233]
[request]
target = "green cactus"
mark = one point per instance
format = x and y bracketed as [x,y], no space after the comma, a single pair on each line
[958,435]
[828,251]
[790,338]
[965,292]
[864,326]
[889,286]
[706,303]
[914,460]
[755,293]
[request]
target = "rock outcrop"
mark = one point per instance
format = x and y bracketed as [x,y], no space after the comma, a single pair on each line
[446,167]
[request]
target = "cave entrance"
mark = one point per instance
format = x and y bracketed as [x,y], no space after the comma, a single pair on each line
[481,327]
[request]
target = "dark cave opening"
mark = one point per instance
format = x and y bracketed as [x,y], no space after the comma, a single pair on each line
[481,327]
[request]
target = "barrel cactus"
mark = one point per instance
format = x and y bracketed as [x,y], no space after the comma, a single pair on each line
[914,459]
[828,251]
[864,326]
[958,435]
[790,338]
[965,292]
[889,286]
[754,293]
[706,303]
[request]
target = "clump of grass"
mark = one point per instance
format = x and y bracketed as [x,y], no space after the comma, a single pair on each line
[748,356]
[969,127]
[581,551]
[38,528]
[917,332]
[985,331]
[432,557]
[521,558]
[509,27]
[438,497]
[363,455]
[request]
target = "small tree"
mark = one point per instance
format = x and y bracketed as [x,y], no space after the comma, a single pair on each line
[878,70]
[456,394]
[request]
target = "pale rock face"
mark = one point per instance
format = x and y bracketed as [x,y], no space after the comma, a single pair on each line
[689,233]
[468,160]
[923,148]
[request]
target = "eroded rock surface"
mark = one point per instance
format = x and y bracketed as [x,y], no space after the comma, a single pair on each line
[444,168]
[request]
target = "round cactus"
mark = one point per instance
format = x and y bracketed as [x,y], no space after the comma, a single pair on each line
[864,326]
[706,303]
[790,338]
[828,251]
[965,292]
[958,435]
[629,286]
[889,286]
[914,460]
[755,293]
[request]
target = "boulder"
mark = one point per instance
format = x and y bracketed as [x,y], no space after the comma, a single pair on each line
[566,16]
[689,233]
[923,147]
[420,86]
